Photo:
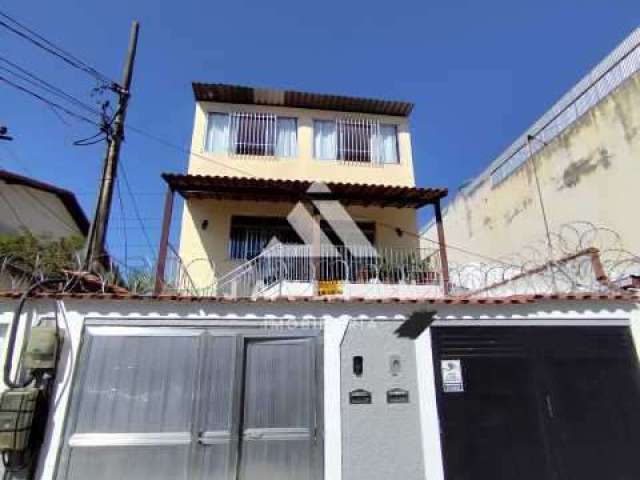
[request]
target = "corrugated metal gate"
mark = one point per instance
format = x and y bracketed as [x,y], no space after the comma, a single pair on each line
[187,403]
[538,402]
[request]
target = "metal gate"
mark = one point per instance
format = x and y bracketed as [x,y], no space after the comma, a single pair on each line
[185,403]
[557,403]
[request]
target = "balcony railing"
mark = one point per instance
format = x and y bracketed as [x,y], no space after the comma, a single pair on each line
[295,270]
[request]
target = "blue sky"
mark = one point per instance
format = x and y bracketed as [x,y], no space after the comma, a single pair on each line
[479,73]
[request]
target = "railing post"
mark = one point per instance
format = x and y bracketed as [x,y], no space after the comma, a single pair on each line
[164,242]
[444,263]
[316,250]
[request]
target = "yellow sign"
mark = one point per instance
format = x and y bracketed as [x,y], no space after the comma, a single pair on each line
[329,287]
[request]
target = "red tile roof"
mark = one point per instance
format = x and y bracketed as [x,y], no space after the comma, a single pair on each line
[510,300]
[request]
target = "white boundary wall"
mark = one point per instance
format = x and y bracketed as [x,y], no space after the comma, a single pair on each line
[334,318]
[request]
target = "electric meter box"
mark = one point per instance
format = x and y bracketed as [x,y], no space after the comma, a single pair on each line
[17,406]
[42,348]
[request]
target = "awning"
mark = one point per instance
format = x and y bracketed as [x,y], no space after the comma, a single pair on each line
[292,191]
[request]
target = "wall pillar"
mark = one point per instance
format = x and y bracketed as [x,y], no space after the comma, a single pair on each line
[442,245]
[164,241]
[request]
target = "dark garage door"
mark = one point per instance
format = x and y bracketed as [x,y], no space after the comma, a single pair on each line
[559,403]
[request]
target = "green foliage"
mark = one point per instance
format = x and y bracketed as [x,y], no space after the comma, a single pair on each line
[140,282]
[32,255]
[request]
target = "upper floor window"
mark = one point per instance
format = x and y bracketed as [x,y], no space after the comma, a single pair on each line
[242,133]
[355,140]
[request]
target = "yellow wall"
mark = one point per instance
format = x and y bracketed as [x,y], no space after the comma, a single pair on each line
[213,243]
[591,172]
[305,167]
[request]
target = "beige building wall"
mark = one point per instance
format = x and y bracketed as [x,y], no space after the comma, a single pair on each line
[206,252]
[304,167]
[36,211]
[591,172]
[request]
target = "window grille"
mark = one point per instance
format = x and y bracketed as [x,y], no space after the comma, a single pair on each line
[355,140]
[251,133]
[250,235]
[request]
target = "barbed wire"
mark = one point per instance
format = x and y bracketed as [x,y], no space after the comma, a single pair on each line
[587,258]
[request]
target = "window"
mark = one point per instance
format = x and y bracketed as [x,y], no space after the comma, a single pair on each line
[250,235]
[355,140]
[261,134]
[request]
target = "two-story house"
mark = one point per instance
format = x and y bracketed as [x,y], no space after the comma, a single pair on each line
[270,165]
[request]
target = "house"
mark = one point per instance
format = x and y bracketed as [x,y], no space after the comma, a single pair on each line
[330,178]
[39,208]
[565,184]
[45,211]
[327,354]
[178,387]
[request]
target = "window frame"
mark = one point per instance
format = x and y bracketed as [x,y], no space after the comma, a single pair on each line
[206,148]
[376,131]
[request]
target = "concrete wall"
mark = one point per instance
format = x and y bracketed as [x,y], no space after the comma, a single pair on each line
[380,441]
[197,245]
[372,442]
[304,167]
[590,172]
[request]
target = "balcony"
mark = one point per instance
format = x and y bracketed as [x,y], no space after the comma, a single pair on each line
[284,270]
[296,270]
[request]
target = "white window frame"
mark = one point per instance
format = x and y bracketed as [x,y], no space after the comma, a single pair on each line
[206,148]
[375,126]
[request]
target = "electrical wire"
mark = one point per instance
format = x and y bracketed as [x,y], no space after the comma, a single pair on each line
[74,61]
[253,175]
[50,103]
[72,227]
[13,330]
[48,46]
[124,224]
[14,212]
[137,211]
[29,77]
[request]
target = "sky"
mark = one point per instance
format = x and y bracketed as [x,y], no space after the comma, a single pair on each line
[478,72]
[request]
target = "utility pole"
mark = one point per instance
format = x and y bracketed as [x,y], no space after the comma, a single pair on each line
[98,231]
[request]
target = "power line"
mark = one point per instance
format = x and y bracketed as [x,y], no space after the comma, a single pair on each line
[74,228]
[124,224]
[74,61]
[41,42]
[137,211]
[49,102]
[33,79]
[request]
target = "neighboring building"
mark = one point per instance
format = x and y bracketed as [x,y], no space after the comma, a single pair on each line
[586,155]
[258,154]
[42,209]
[527,388]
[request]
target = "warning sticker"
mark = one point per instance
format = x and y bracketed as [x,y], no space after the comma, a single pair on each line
[452,375]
